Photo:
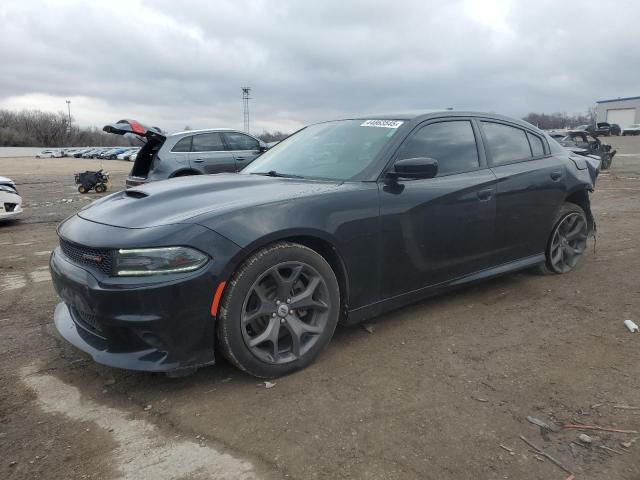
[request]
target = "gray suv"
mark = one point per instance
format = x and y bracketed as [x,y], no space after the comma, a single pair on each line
[193,152]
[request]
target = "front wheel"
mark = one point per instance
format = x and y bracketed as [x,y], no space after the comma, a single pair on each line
[568,240]
[279,310]
[101,188]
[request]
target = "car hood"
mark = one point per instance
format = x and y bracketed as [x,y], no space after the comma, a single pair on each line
[6,180]
[182,199]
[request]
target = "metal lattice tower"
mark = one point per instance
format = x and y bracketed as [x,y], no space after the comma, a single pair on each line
[245,104]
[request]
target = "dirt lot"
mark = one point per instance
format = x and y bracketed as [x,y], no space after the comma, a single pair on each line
[433,392]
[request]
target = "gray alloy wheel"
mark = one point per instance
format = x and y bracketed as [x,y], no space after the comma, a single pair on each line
[284,312]
[278,311]
[568,240]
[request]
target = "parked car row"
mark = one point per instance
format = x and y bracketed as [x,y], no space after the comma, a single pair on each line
[104,153]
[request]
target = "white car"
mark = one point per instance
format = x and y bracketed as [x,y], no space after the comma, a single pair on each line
[49,153]
[133,156]
[10,201]
[633,129]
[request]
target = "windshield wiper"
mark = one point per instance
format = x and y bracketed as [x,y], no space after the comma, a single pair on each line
[273,173]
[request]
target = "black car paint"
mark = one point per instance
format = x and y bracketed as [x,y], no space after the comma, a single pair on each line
[390,241]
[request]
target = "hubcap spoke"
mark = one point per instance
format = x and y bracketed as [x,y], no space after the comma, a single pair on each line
[285,284]
[305,298]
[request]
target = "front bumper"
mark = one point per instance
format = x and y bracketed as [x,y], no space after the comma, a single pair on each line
[10,206]
[155,327]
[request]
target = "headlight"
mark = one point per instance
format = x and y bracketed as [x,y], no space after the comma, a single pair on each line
[153,261]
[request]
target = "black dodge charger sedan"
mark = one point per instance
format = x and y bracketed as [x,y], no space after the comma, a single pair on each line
[342,221]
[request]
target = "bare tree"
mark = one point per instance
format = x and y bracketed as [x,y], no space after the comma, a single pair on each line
[558,120]
[34,128]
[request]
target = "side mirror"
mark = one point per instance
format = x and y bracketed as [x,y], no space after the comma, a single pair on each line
[420,167]
[263,147]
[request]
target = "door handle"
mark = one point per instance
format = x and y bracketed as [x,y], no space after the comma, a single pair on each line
[555,175]
[240,158]
[198,160]
[485,194]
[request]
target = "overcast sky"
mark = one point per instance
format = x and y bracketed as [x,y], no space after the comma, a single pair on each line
[174,63]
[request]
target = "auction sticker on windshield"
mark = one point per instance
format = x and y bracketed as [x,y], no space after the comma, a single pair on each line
[382,123]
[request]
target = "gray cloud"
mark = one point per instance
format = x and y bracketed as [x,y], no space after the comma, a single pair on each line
[173,63]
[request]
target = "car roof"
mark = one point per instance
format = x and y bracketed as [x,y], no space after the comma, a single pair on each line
[421,115]
[207,130]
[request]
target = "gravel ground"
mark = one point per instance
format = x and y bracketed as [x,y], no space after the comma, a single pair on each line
[439,390]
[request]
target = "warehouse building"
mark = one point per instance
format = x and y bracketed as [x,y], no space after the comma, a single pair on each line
[623,111]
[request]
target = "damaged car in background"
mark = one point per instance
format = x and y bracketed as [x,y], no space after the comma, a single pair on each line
[585,144]
[340,222]
[10,200]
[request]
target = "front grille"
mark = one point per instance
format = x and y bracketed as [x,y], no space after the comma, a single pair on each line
[96,258]
[10,207]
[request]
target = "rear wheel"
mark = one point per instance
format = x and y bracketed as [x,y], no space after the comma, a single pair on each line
[568,240]
[279,310]
[82,189]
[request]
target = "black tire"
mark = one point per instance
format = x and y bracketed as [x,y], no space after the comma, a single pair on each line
[606,162]
[235,332]
[578,244]
[101,188]
[81,189]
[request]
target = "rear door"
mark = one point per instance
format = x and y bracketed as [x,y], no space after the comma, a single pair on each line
[531,188]
[209,154]
[245,148]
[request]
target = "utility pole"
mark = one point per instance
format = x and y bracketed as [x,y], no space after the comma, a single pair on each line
[245,104]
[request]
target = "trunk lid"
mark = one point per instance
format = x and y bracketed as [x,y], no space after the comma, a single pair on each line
[152,137]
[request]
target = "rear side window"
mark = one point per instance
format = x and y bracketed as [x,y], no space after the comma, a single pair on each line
[506,144]
[207,142]
[537,147]
[184,145]
[239,141]
[452,144]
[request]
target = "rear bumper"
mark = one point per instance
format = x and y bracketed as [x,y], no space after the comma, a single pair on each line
[155,327]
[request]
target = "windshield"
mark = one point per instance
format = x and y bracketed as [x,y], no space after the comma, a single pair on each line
[338,150]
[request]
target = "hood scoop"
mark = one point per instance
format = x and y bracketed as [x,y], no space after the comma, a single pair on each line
[135,194]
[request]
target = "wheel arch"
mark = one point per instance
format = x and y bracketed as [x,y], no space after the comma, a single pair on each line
[319,242]
[184,172]
[580,197]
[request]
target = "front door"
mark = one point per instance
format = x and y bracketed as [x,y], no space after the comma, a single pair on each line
[438,229]
[209,155]
[244,147]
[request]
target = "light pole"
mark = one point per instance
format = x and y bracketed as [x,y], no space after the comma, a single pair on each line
[69,109]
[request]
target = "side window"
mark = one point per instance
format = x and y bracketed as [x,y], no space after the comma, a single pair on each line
[452,144]
[183,145]
[239,141]
[207,142]
[506,144]
[536,145]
